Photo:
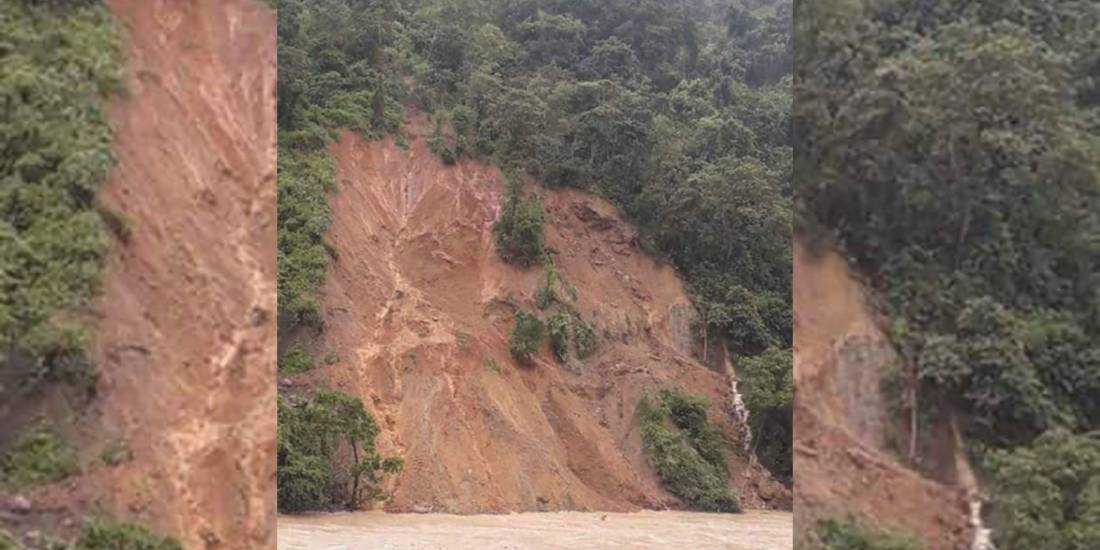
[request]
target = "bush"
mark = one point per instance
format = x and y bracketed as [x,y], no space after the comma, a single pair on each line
[519,231]
[584,338]
[103,534]
[526,336]
[559,335]
[295,361]
[689,460]
[439,146]
[57,67]
[850,535]
[39,456]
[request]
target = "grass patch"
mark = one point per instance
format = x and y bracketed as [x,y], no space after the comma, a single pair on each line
[848,534]
[7,541]
[103,534]
[39,456]
[295,361]
[116,452]
[492,364]
[584,338]
[687,451]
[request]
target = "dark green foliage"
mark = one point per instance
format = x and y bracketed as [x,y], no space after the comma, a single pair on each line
[439,145]
[101,534]
[1047,495]
[295,361]
[584,338]
[57,69]
[304,217]
[950,149]
[559,326]
[38,456]
[526,337]
[326,453]
[766,381]
[850,535]
[518,232]
[688,455]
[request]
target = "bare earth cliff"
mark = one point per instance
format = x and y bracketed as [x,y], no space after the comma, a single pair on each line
[419,308]
[841,419]
[186,331]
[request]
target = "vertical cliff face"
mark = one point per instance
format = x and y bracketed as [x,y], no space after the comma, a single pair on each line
[186,333]
[842,420]
[418,313]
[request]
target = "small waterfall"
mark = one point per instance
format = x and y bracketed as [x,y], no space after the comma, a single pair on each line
[740,412]
[983,536]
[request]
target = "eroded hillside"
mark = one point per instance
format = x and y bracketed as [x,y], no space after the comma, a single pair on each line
[842,421]
[418,310]
[181,435]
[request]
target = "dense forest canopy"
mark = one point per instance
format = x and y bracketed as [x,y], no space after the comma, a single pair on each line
[952,149]
[679,112]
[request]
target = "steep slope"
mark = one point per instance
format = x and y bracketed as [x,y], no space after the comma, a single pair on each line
[186,331]
[841,419]
[418,310]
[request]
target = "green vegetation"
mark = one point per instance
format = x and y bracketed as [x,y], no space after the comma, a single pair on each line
[687,451]
[116,452]
[951,150]
[7,541]
[103,534]
[850,535]
[295,361]
[527,336]
[554,289]
[439,145]
[38,456]
[58,65]
[584,338]
[559,326]
[1047,495]
[326,453]
[769,393]
[518,232]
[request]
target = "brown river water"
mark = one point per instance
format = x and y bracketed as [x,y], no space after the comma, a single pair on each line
[754,530]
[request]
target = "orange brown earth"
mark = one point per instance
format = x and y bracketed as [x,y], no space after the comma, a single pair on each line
[842,422]
[418,312]
[186,330]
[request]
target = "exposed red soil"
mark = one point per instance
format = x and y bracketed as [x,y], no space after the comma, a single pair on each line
[418,311]
[841,420]
[186,331]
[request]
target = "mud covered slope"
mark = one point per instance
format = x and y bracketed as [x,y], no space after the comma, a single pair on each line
[419,307]
[186,333]
[841,418]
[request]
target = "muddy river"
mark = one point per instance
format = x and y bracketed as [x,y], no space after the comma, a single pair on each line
[537,531]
